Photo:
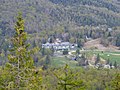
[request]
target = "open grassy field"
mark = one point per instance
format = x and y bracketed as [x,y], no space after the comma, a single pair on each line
[112,56]
[62,61]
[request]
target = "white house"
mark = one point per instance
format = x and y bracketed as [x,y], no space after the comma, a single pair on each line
[60,45]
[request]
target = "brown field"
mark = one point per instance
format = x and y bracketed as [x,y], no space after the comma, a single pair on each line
[95,44]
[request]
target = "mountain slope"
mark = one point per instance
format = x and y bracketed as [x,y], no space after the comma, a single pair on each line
[47,14]
[91,12]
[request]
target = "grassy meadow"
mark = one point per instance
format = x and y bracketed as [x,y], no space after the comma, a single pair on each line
[112,56]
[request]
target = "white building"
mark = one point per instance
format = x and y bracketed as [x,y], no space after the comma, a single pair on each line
[60,45]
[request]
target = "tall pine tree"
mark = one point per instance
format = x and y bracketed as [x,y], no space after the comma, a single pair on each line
[20,65]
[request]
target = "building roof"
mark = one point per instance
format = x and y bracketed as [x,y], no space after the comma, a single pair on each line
[65,43]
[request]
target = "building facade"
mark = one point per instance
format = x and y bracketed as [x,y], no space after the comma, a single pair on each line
[60,46]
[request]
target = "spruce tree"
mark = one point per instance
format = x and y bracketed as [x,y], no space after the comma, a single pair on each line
[77,51]
[68,79]
[115,64]
[20,65]
[97,59]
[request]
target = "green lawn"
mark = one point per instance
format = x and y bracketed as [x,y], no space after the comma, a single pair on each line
[112,56]
[62,61]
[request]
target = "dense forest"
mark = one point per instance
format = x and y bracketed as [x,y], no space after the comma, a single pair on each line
[58,15]
[45,14]
[25,25]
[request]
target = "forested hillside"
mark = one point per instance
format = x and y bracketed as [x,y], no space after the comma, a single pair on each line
[92,12]
[59,44]
[45,14]
[57,15]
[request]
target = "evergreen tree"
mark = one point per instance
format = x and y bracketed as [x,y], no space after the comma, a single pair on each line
[115,64]
[87,63]
[34,44]
[109,34]
[43,51]
[52,51]
[116,82]
[77,51]
[97,59]
[82,60]
[51,39]
[79,43]
[111,65]
[68,80]
[20,65]
[47,61]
